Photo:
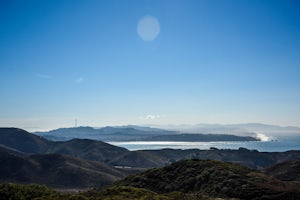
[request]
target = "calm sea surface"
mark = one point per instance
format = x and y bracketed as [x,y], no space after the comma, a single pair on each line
[269,146]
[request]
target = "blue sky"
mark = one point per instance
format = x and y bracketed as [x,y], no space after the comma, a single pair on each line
[211,62]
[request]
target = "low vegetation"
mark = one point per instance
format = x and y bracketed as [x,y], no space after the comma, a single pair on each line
[214,178]
[11,191]
[285,171]
[184,180]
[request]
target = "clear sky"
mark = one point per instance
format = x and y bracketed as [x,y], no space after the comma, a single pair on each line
[149,62]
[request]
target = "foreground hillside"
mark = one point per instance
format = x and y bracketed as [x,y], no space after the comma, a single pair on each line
[214,178]
[184,180]
[286,171]
[56,170]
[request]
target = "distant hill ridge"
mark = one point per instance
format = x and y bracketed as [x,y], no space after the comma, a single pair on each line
[23,140]
[236,129]
[135,133]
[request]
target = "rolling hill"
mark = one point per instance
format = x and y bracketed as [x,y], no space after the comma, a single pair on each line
[285,171]
[56,170]
[87,149]
[214,178]
[184,180]
[23,141]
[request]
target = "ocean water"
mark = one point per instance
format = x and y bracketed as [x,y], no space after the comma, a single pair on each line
[266,146]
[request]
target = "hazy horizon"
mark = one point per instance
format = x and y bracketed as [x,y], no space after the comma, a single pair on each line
[176,127]
[149,62]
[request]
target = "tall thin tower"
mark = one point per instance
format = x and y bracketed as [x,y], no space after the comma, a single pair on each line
[75,122]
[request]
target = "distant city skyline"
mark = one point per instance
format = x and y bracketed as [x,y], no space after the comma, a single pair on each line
[149,62]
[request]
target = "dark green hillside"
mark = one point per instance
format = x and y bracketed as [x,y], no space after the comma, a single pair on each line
[213,178]
[285,171]
[22,140]
[87,149]
[184,180]
[249,158]
[139,159]
[38,192]
[56,170]
[125,192]
[11,191]
[11,150]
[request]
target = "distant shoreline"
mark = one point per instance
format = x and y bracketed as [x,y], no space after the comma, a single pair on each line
[262,146]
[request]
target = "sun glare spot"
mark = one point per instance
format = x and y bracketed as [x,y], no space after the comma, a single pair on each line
[148,28]
[263,137]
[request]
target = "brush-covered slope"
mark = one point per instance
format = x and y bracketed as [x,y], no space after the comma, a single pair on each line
[56,170]
[213,178]
[14,191]
[22,140]
[38,192]
[286,171]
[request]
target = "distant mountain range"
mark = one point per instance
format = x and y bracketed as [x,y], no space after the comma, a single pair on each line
[249,129]
[135,133]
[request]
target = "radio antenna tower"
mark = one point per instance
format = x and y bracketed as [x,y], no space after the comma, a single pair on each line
[75,122]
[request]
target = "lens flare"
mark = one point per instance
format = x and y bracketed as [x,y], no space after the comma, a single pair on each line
[148,28]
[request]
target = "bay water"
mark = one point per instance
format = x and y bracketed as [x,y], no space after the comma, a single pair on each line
[279,145]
